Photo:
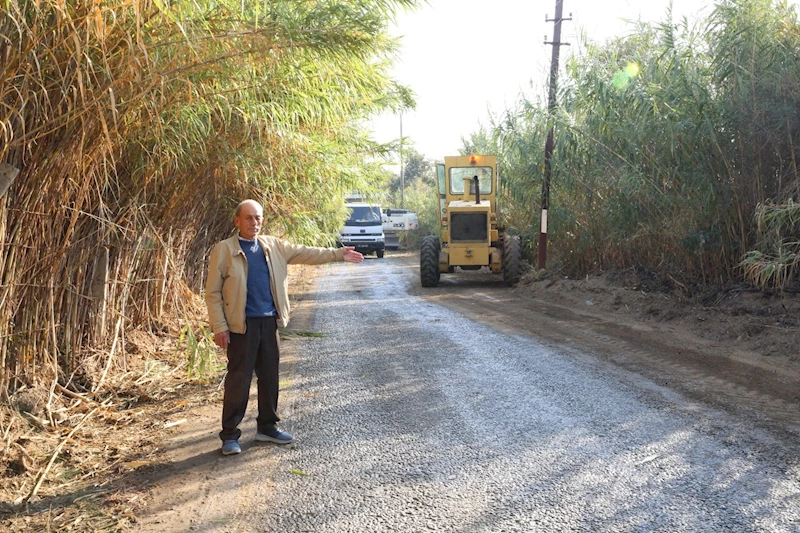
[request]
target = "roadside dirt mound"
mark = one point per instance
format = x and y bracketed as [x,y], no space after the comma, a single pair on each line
[740,318]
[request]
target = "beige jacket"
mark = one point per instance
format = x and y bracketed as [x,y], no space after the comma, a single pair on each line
[226,286]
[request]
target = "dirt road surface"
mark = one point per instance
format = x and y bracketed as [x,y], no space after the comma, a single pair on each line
[473,407]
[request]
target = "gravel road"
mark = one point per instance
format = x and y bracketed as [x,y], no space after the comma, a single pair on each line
[411,417]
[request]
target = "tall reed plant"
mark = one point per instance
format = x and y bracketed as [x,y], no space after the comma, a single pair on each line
[667,140]
[137,125]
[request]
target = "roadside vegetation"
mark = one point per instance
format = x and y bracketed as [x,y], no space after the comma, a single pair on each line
[417,192]
[136,126]
[676,151]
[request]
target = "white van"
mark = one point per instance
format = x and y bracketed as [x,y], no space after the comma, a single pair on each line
[364,229]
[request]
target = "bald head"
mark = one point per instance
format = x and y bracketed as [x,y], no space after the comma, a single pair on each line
[243,203]
[248,218]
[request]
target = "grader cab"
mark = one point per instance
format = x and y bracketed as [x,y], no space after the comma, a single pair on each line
[471,235]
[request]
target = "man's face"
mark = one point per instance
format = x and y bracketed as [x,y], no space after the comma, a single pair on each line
[249,220]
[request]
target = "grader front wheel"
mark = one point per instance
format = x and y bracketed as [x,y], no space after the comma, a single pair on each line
[429,261]
[512,260]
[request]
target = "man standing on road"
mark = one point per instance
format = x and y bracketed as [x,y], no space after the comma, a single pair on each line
[247,295]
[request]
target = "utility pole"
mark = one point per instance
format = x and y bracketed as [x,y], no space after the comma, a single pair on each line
[548,146]
[402,170]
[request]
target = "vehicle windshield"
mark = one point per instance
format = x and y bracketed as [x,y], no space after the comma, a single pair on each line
[363,215]
[457,175]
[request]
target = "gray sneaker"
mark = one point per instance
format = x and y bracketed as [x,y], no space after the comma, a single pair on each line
[274,435]
[231,447]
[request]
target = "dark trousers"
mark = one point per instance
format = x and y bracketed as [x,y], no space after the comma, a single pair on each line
[258,349]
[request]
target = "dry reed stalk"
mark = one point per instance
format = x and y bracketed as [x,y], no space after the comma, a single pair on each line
[40,478]
[110,359]
[75,395]
[7,432]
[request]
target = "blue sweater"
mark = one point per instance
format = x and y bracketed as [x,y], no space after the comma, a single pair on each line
[259,294]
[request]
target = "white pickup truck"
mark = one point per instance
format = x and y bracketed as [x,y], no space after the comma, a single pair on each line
[396,221]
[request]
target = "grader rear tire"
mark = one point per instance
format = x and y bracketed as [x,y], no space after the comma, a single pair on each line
[512,260]
[429,261]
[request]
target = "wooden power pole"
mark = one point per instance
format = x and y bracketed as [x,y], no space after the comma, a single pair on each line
[548,146]
[402,169]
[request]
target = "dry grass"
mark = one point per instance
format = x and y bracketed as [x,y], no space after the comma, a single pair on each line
[83,464]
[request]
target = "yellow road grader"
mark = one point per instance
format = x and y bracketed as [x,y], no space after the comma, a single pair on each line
[471,237]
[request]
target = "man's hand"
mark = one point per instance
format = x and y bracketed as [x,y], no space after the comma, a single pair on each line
[222,339]
[351,256]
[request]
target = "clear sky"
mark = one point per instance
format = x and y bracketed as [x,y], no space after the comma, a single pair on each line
[501,44]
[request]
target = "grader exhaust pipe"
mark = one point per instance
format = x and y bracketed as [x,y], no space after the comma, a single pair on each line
[469,184]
